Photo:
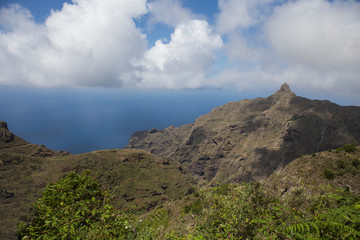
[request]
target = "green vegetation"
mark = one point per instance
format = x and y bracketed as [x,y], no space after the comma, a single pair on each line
[76,208]
[247,211]
[329,174]
[293,204]
[349,148]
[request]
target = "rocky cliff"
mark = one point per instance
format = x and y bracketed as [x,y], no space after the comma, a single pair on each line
[250,139]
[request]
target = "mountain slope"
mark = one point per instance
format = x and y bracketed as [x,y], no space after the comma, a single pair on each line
[137,179]
[250,139]
[339,168]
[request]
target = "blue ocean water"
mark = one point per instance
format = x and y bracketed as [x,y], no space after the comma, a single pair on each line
[82,120]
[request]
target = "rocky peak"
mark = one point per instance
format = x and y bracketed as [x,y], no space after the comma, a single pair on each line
[283,95]
[5,135]
[3,125]
[285,88]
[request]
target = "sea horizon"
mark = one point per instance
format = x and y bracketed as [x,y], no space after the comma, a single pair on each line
[83,120]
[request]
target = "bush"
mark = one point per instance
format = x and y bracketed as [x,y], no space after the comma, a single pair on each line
[355,162]
[329,174]
[340,164]
[76,208]
[194,207]
[349,148]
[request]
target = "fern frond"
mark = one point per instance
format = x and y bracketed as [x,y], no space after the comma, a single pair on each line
[323,228]
[344,214]
[338,229]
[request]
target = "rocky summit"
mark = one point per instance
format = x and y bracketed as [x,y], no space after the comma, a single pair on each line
[250,139]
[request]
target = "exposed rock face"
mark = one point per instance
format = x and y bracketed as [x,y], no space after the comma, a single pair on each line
[3,125]
[250,139]
[5,135]
[7,138]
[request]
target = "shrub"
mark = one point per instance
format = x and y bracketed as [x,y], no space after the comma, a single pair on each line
[340,164]
[76,208]
[349,148]
[194,207]
[355,162]
[329,174]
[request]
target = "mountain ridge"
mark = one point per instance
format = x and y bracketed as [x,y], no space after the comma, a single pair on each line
[248,140]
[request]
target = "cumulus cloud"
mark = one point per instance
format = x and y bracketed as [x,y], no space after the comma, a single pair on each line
[240,14]
[299,77]
[170,12]
[317,33]
[87,43]
[181,63]
[312,44]
[241,22]
[307,43]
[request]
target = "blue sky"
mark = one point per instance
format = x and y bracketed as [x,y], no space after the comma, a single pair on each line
[248,45]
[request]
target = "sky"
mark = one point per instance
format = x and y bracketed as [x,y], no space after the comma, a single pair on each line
[247,45]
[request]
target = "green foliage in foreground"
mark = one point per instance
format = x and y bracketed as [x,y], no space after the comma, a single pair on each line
[76,208]
[247,212]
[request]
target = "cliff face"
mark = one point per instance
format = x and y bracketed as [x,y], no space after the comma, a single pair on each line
[7,138]
[250,139]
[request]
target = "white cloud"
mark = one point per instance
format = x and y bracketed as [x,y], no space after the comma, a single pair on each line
[87,43]
[170,12]
[307,43]
[311,44]
[317,33]
[181,63]
[241,22]
[299,77]
[240,14]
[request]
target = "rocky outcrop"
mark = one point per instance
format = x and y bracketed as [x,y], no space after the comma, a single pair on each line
[5,135]
[7,138]
[12,143]
[250,139]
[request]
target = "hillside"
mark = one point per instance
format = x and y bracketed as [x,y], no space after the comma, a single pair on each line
[138,180]
[311,188]
[275,140]
[338,168]
[250,139]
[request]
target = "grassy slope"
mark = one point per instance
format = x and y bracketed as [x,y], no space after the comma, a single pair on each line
[309,172]
[138,180]
[298,185]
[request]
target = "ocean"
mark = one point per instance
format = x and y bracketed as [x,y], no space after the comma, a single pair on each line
[83,120]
